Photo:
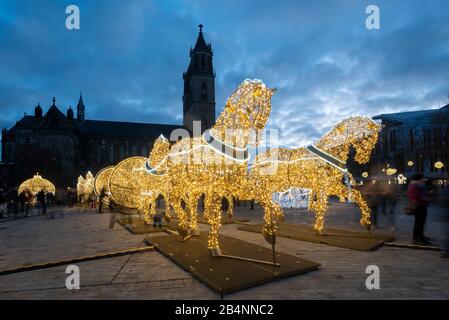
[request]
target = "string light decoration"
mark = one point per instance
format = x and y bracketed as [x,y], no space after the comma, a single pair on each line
[123,182]
[438,165]
[390,171]
[320,167]
[215,165]
[410,163]
[365,174]
[80,188]
[293,198]
[85,187]
[152,180]
[101,182]
[36,185]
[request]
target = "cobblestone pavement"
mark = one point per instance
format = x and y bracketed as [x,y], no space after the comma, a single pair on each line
[404,273]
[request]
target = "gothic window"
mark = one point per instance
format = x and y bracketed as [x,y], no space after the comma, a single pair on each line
[411,138]
[204,91]
[122,152]
[202,61]
[111,153]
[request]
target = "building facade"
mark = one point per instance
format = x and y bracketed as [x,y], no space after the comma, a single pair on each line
[413,142]
[61,146]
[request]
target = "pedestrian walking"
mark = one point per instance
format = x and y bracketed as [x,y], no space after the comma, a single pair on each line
[113,215]
[102,198]
[419,199]
[372,194]
[28,199]
[43,203]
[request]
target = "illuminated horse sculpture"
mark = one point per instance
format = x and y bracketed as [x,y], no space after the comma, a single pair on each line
[216,163]
[152,180]
[320,167]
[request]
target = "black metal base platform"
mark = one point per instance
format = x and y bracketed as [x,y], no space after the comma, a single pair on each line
[138,226]
[224,220]
[333,237]
[225,275]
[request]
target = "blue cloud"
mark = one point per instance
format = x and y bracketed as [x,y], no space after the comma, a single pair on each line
[128,58]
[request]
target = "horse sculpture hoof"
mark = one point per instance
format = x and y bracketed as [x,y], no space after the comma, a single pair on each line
[184,233]
[195,232]
[215,252]
[270,237]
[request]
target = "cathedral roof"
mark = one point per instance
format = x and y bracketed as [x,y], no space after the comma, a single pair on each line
[420,116]
[125,129]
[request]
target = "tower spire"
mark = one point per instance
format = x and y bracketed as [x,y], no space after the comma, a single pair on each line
[80,109]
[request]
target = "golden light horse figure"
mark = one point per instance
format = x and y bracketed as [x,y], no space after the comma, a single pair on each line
[152,180]
[216,163]
[320,167]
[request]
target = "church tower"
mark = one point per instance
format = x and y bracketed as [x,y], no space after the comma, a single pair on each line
[80,109]
[199,86]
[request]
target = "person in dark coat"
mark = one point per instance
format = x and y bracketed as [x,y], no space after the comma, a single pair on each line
[42,201]
[419,199]
[102,198]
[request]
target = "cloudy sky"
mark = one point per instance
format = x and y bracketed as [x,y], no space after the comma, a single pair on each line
[128,58]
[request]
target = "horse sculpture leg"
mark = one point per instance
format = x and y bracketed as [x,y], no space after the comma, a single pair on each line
[193,212]
[320,208]
[366,212]
[230,200]
[183,227]
[213,212]
[167,207]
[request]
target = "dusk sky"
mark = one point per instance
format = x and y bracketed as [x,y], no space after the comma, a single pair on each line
[129,56]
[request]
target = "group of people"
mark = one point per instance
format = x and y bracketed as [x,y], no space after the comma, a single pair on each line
[16,205]
[381,197]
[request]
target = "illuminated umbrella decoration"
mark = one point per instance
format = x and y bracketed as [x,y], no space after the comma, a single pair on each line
[37,184]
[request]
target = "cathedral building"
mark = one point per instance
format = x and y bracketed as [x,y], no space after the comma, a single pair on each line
[61,146]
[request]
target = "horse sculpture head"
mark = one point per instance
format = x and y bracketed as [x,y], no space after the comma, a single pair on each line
[245,113]
[159,152]
[359,132]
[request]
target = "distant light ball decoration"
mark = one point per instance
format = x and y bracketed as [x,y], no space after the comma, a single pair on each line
[101,182]
[410,163]
[36,185]
[438,165]
[365,174]
[391,171]
[123,188]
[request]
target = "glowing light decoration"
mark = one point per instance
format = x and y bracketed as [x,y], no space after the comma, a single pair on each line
[123,182]
[402,179]
[101,182]
[438,165]
[390,171]
[365,174]
[85,187]
[293,198]
[320,167]
[37,184]
[216,164]
[153,181]
[410,163]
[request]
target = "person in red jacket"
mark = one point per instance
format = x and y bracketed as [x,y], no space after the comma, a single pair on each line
[419,199]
